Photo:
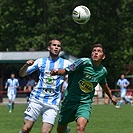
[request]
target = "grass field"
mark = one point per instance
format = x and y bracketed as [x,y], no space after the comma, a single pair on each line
[104,119]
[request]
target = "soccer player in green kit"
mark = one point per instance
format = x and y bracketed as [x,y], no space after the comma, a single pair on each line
[83,76]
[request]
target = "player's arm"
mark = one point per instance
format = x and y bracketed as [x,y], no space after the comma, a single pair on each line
[108,92]
[17,84]
[127,84]
[58,72]
[118,84]
[23,69]
[6,86]
[66,70]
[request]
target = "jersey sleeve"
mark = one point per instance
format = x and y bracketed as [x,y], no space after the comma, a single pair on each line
[75,65]
[103,81]
[118,82]
[127,82]
[67,63]
[33,67]
[17,82]
[7,83]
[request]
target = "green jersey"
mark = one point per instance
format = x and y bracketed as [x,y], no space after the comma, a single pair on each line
[83,77]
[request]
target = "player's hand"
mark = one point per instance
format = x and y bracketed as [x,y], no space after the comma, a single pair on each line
[53,72]
[5,87]
[114,100]
[29,62]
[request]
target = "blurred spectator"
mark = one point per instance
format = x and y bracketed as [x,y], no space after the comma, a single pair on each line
[23,83]
[30,84]
[29,87]
[129,95]
[98,91]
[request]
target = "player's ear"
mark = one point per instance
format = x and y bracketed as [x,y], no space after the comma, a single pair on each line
[49,44]
[48,48]
[104,56]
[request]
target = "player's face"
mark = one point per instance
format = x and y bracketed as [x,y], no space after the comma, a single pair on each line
[12,76]
[97,54]
[122,76]
[55,47]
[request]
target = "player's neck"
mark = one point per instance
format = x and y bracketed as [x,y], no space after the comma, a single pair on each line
[53,57]
[96,63]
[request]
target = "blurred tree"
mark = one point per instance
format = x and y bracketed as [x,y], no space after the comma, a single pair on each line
[29,25]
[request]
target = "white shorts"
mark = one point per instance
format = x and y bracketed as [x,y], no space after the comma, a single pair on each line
[48,112]
[123,94]
[11,95]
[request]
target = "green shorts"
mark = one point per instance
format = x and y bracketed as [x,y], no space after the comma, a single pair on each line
[71,111]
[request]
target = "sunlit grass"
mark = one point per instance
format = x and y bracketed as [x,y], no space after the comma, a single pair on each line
[104,119]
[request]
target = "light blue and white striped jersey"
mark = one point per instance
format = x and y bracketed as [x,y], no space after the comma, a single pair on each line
[12,84]
[123,83]
[48,88]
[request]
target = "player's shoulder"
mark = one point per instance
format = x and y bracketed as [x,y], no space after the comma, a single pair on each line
[87,61]
[60,58]
[80,61]
[9,79]
[119,80]
[40,60]
[65,60]
[16,80]
[125,80]
[105,70]
[84,59]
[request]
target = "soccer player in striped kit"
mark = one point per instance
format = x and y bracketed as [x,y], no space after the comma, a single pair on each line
[123,84]
[45,98]
[11,85]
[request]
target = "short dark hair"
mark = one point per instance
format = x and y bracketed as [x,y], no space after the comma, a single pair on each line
[50,42]
[99,45]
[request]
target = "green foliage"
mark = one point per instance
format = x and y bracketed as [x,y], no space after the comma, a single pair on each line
[31,24]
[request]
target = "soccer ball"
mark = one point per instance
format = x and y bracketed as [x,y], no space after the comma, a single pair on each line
[81,14]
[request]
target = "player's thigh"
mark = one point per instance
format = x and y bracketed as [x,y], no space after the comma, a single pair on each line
[9,96]
[123,94]
[33,111]
[13,97]
[67,112]
[49,114]
[84,110]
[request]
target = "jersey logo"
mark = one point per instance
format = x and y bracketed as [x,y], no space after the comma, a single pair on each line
[49,91]
[48,79]
[85,86]
[72,67]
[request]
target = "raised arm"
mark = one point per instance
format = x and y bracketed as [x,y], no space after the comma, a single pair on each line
[23,69]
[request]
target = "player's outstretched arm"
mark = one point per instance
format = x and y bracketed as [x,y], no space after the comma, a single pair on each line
[58,72]
[108,92]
